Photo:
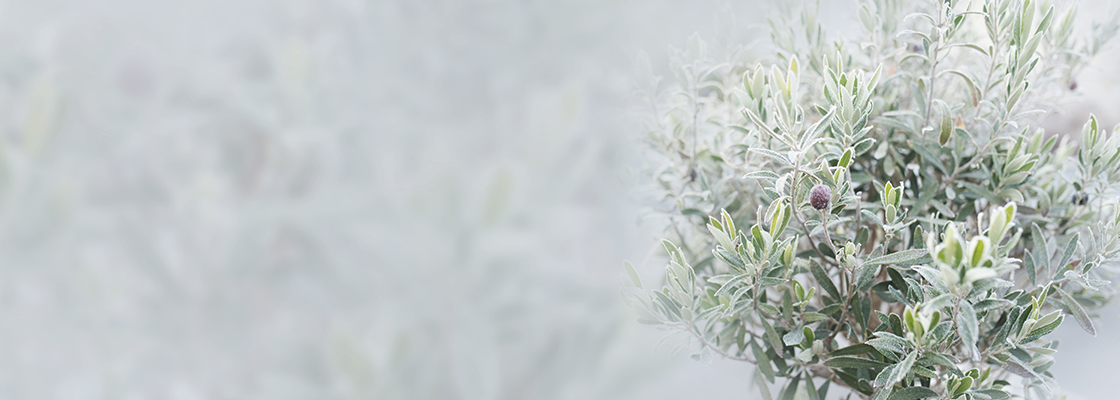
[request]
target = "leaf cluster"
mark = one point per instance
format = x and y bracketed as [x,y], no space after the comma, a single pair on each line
[957,235]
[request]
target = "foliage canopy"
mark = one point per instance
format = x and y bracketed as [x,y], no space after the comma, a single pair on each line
[883,215]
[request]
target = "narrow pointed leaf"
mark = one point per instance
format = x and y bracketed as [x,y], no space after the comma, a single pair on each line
[823,279]
[902,368]
[853,362]
[1041,255]
[897,257]
[1067,255]
[1078,312]
[967,328]
[913,393]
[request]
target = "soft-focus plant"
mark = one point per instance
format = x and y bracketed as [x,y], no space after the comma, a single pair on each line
[885,215]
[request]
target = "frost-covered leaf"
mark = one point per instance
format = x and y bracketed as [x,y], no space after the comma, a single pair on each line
[853,362]
[1078,312]
[967,328]
[897,257]
[912,393]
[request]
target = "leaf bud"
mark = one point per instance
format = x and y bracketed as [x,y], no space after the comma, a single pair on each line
[950,251]
[818,347]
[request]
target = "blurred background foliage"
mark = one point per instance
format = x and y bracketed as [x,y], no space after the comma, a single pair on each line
[336,199]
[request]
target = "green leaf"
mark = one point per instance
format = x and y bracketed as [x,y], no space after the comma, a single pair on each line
[901,369]
[968,328]
[823,279]
[858,348]
[633,274]
[761,175]
[962,385]
[1017,368]
[1078,312]
[924,259]
[780,220]
[768,309]
[863,311]
[772,335]
[946,124]
[762,126]
[787,305]
[721,238]
[913,393]
[1028,264]
[1046,19]
[791,388]
[1041,255]
[1040,331]
[972,86]
[693,211]
[897,257]
[866,276]
[763,362]
[991,304]
[768,281]
[980,191]
[929,157]
[895,324]
[816,128]
[883,394]
[810,389]
[731,284]
[793,337]
[886,341]
[853,362]
[995,394]
[1067,255]
[932,358]
[832,309]
[810,316]
[896,123]
[862,146]
[845,158]
[763,388]
[773,154]
[924,372]
[938,302]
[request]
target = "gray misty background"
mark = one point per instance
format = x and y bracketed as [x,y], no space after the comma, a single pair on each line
[348,199]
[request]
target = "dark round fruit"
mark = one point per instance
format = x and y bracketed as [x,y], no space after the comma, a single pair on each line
[1080,199]
[819,196]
